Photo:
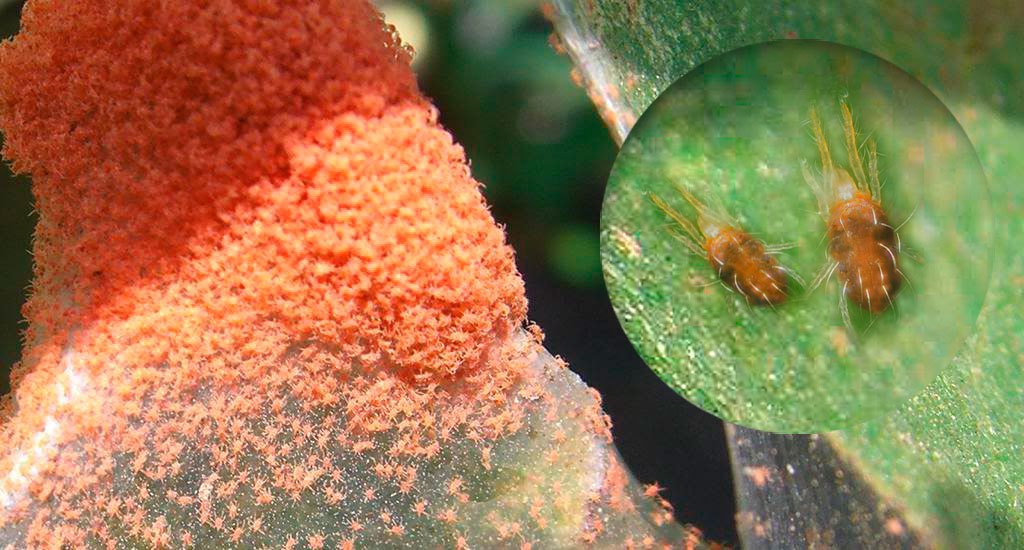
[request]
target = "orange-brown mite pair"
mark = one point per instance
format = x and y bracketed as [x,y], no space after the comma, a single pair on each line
[863,246]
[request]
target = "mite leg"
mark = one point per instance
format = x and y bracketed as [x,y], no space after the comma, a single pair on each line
[874,318]
[684,223]
[691,198]
[716,213]
[819,139]
[824,274]
[776,248]
[793,275]
[819,189]
[905,279]
[912,254]
[907,252]
[876,187]
[912,212]
[691,247]
[690,235]
[844,308]
[852,149]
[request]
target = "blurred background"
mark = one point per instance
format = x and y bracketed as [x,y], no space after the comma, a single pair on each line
[537,144]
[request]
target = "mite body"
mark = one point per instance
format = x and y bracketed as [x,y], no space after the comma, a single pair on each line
[863,247]
[743,263]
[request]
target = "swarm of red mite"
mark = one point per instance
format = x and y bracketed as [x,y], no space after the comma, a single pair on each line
[270,306]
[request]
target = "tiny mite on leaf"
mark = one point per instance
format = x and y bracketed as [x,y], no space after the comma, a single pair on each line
[743,263]
[863,247]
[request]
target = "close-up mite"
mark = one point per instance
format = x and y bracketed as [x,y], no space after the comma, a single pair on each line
[743,263]
[863,247]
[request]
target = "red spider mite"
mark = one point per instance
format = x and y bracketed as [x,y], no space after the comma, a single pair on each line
[743,263]
[863,247]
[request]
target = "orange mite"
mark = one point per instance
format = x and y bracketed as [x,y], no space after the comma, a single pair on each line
[743,263]
[863,247]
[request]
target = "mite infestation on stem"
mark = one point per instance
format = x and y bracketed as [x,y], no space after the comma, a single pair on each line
[743,263]
[863,247]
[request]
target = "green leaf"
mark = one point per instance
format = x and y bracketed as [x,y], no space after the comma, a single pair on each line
[951,458]
[734,133]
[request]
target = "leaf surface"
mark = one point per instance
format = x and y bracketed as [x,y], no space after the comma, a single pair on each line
[950,458]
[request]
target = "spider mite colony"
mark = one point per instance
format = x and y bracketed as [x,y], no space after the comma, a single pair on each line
[863,247]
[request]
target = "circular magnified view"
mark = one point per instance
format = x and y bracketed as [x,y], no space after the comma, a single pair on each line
[796,236]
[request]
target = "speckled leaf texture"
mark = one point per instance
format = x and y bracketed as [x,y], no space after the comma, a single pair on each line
[949,461]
